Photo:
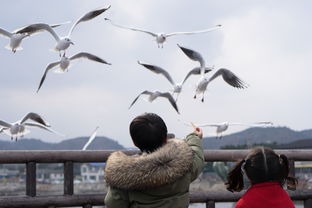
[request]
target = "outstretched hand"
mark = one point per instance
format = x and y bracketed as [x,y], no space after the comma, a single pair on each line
[197,131]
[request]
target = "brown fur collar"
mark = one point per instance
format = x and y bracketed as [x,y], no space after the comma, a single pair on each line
[140,172]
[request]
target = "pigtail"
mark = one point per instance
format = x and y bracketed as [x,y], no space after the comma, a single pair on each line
[235,180]
[291,181]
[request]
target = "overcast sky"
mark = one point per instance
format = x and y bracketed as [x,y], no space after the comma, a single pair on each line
[266,43]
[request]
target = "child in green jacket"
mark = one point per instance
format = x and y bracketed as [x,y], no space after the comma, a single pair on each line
[161,175]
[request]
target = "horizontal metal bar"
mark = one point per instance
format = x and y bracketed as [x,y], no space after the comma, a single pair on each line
[60,156]
[98,199]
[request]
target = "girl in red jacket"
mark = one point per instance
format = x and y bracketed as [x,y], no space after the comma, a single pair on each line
[267,173]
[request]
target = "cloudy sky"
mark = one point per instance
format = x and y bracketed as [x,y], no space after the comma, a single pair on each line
[266,43]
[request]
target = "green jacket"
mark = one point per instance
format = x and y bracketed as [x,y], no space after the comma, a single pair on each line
[158,179]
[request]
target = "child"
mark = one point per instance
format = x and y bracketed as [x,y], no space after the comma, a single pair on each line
[267,172]
[158,177]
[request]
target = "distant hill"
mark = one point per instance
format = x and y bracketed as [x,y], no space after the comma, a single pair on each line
[280,135]
[299,144]
[99,143]
[284,138]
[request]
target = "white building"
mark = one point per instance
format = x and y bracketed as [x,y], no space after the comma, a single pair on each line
[50,176]
[92,172]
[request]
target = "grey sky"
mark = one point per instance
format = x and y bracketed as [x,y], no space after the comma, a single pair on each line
[266,43]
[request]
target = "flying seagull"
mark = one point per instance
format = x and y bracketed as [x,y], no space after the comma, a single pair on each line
[227,75]
[153,95]
[177,87]
[18,128]
[222,127]
[18,35]
[64,64]
[91,138]
[62,43]
[162,37]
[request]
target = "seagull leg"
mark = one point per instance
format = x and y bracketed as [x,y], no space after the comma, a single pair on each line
[194,96]
[202,99]
[16,139]
[11,137]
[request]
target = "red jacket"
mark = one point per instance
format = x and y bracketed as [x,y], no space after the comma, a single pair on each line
[267,194]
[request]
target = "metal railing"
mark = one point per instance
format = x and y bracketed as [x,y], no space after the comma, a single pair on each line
[69,157]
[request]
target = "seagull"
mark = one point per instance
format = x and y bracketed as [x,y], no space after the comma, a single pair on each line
[91,138]
[162,37]
[222,127]
[18,128]
[62,43]
[177,87]
[18,35]
[227,75]
[156,94]
[64,64]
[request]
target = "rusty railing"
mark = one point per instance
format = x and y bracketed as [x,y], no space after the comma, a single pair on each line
[69,157]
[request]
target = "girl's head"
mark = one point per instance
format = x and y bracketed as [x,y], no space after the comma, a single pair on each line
[262,164]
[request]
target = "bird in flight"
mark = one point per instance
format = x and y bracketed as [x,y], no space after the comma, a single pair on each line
[228,76]
[162,37]
[18,35]
[18,128]
[177,87]
[91,138]
[153,95]
[64,64]
[62,43]
[222,127]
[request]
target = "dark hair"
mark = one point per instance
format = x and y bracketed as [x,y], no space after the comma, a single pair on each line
[148,132]
[262,164]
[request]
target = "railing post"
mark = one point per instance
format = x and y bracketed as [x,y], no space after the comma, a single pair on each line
[292,173]
[68,178]
[210,204]
[31,179]
[307,203]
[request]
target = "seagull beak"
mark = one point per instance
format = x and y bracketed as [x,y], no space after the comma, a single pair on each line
[71,43]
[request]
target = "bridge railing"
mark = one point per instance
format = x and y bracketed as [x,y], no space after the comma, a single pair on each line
[69,157]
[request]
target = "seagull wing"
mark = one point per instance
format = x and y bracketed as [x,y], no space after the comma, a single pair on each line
[89,16]
[91,138]
[142,93]
[193,32]
[35,117]
[89,56]
[5,124]
[34,28]
[171,100]
[30,31]
[50,66]
[230,78]
[208,124]
[130,28]
[5,33]
[158,70]
[43,127]
[195,71]
[193,55]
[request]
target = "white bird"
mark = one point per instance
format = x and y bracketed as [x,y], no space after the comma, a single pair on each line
[222,127]
[62,43]
[177,87]
[18,35]
[227,75]
[91,138]
[64,64]
[153,95]
[162,37]
[18,128]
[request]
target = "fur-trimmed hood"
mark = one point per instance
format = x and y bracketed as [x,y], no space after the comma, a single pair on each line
[145,171]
